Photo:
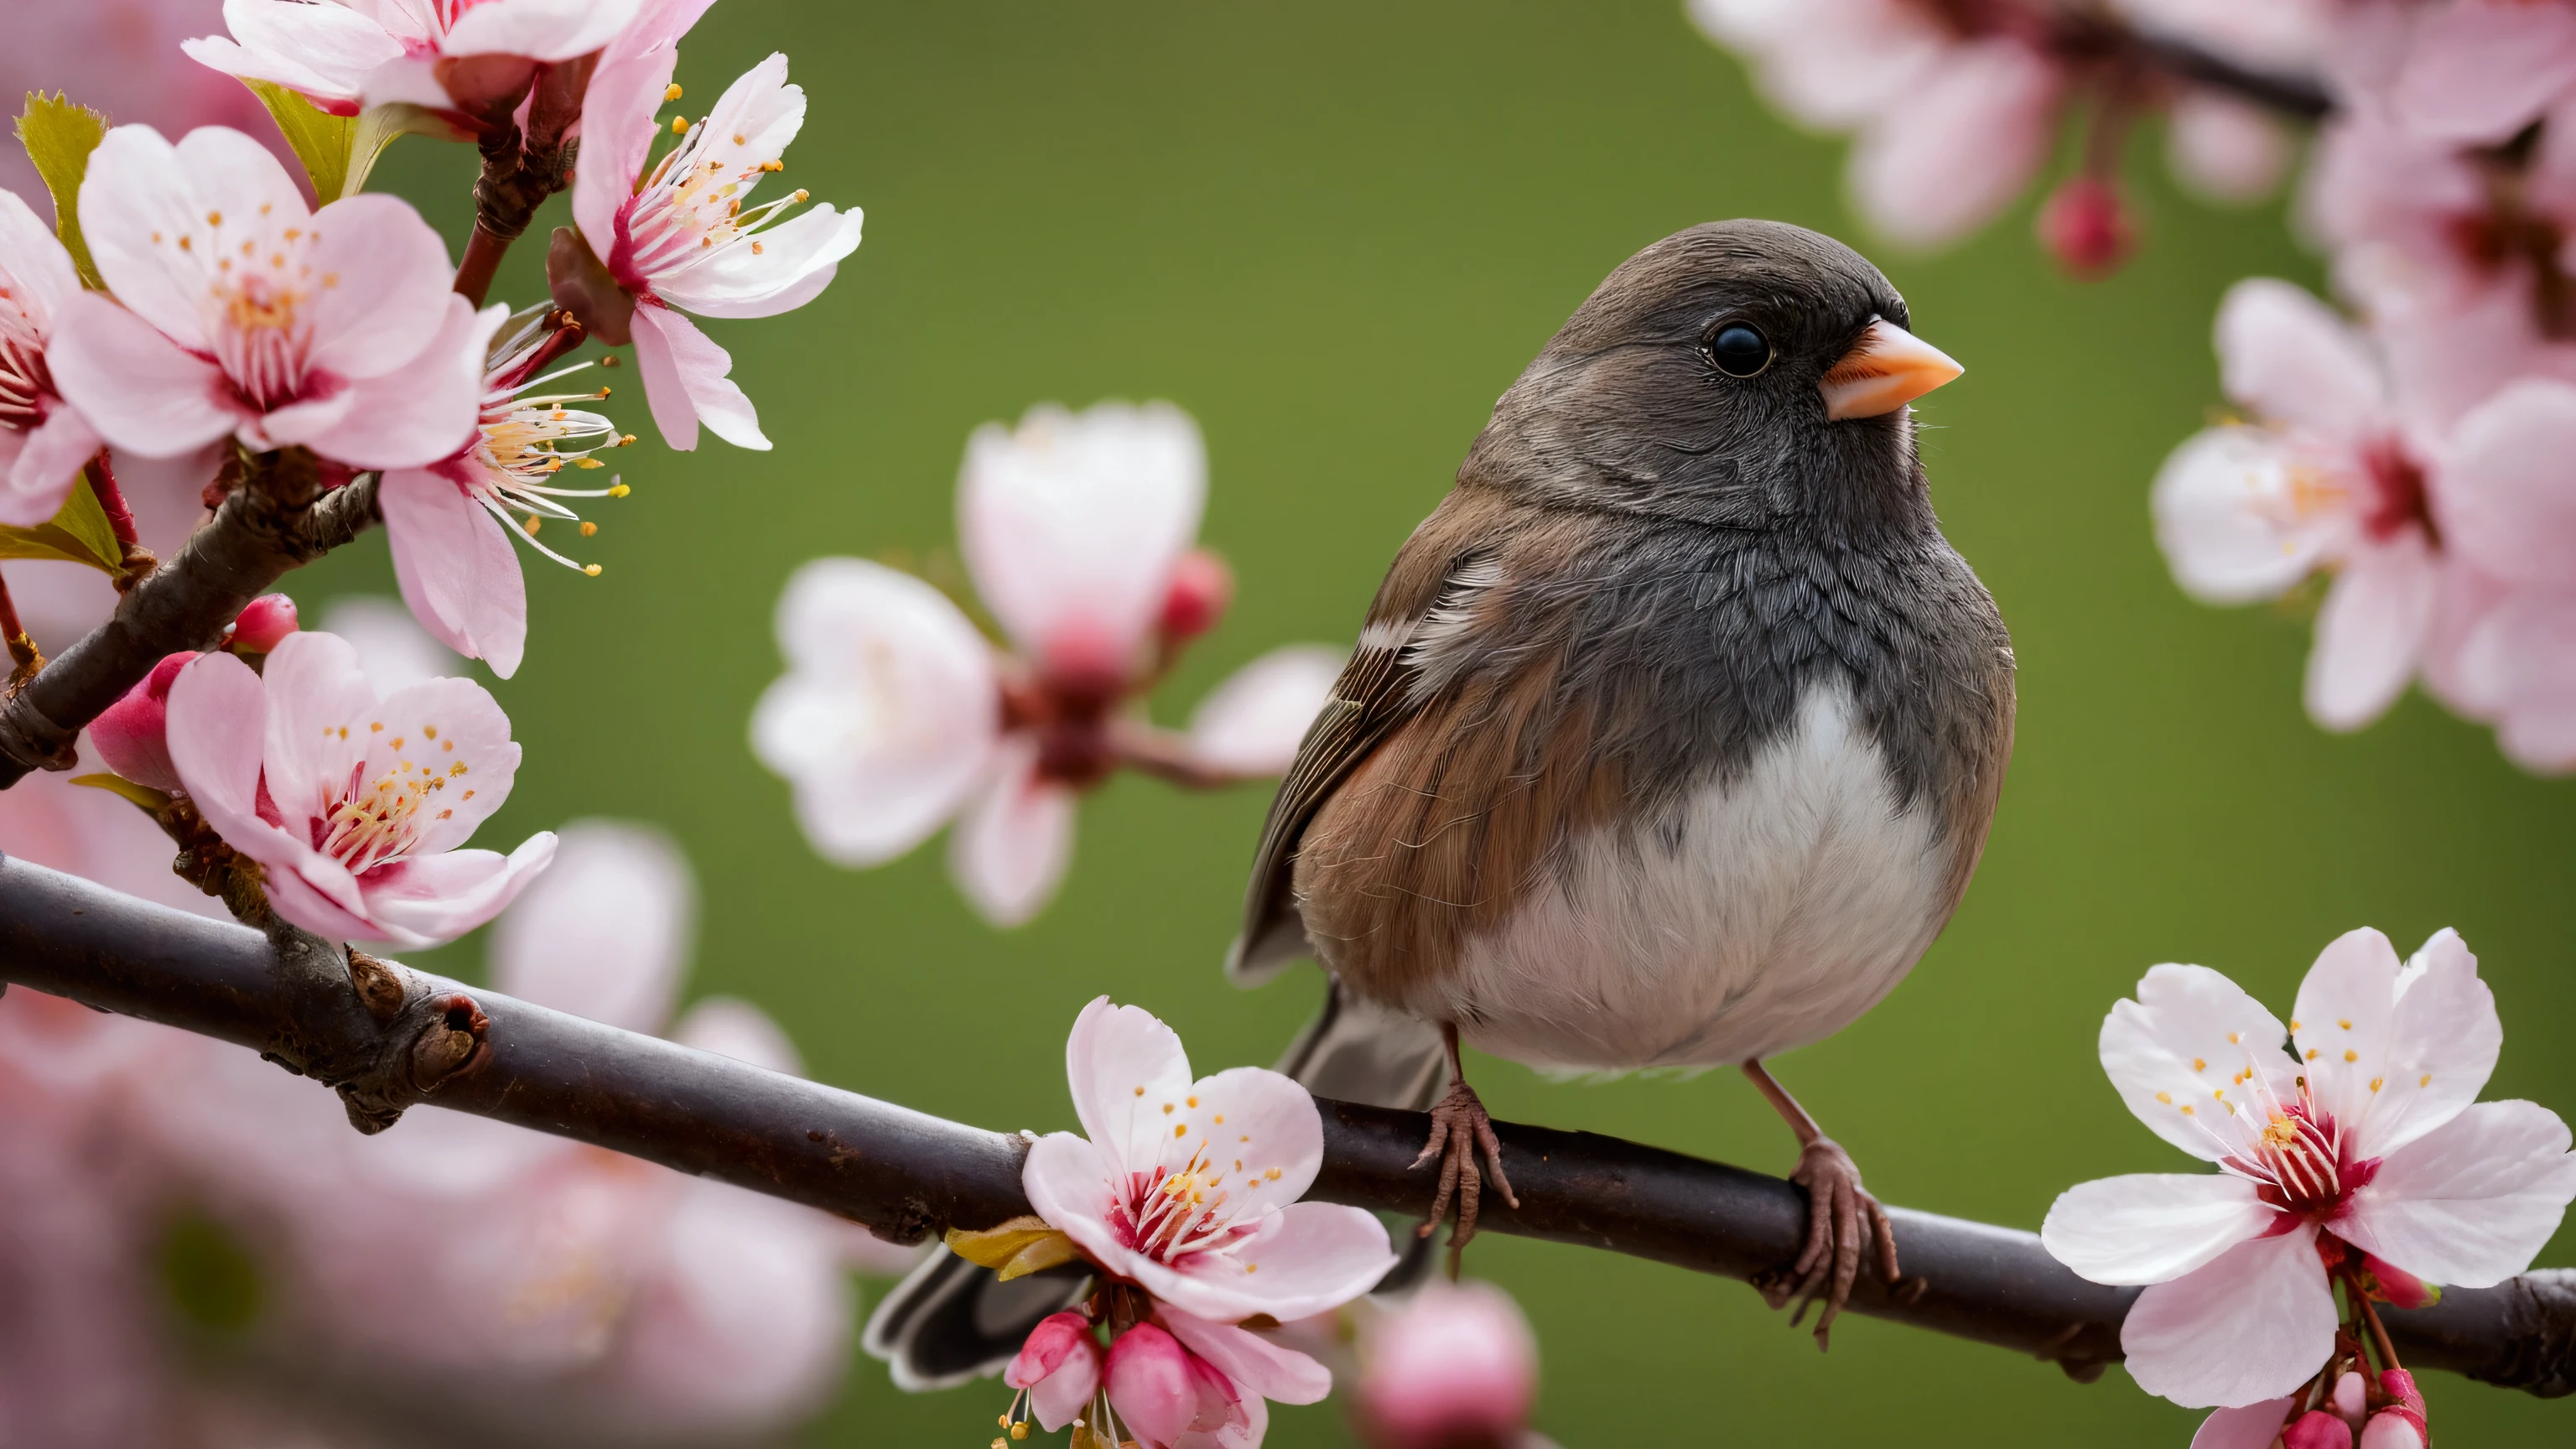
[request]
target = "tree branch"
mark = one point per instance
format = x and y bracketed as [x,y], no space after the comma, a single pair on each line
[282,514]
[388,1037]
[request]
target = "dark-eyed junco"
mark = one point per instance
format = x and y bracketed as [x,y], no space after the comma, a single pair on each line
[1675,730]
[1671,740]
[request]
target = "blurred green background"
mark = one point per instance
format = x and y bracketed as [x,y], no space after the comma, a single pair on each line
[1334,232]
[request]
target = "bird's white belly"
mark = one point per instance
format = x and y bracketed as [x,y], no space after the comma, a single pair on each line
[1796,898]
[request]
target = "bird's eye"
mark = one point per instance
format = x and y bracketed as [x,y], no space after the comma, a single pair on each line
[1739,349]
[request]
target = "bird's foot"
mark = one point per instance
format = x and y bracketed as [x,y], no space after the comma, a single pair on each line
[1459,1127]
[1843,1222]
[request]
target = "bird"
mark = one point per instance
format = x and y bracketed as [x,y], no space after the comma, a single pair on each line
[1672,739]
[1675,732]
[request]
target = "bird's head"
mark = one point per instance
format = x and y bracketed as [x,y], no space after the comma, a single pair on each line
[1743,373]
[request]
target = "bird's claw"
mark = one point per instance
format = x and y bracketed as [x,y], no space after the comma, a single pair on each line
[1459,1127]
[1842,1218]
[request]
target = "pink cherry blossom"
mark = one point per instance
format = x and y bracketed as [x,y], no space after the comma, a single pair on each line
[897,716]
[2508,511]
[449,525]
[356,805]
[243,313]
[683,236]
[1186,1192]
[466,58]
[2477,71]
[131,736]
[1189,1189]
[2330,477]
[262,625]
[43,440]
[1455,1365]
[2372,1143]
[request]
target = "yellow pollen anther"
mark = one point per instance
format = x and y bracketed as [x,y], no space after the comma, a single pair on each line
[802,193]
[1272,1174]
[588,528]
[1192,1101]
[2294,1026]
[214,218]
[530,525]
[376,728]
[2165,1097]
[673,93]
[679,125]
[591,569]
[2186,1110]
[2375,1082]
[1020,1430]
[2426,1081]
[397,742]
[1220,1119]
[429,732]
[1180,1129]
[1252,1267]
[2312,1054]
[773,165]
[2199,1064]
[737,140]
[1167,1109]
[590,463]
[755,249]
[2345,1024]
[2351,1055]
[1140,1091]
[187,244]
[2234,1037]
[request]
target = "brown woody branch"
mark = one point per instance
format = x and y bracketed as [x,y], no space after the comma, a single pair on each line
[387,1038]
[280,512]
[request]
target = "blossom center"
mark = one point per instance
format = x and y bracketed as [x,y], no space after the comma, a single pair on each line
[2297,1162]
[2398,497]
[376,820]
[24,381]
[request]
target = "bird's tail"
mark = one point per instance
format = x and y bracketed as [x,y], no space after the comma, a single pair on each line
[951,1321]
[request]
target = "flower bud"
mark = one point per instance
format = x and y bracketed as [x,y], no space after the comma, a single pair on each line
[1163,1390]
[132,735]
[2351,1398]
[1060,1365]
[1456,1366]
[2086,227]
[581,285]
[1201,587]
[2317,1429]
[2400,1425]
[1083,664]
[262,625]
[2394,1286]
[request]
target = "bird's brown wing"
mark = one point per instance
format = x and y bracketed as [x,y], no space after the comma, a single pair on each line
[1437,567]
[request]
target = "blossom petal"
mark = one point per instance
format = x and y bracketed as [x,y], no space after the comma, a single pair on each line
[49,457]
[605,933]
[617,125]
[422,412]
[136,200]
[315,692]
[1068,1186]
[2341,1022]
[1254,721]
[2151,1227]
[1129,1075]
[301,902]
[686,381]
[216,712]
[320,50]
[456,568]
[796,261]
[2503,491]
[1009,850]
[538,29]
[2191,1043]
[1074,522]
[2441,1043]
[2479,71]
[2226,519]
[2254,1426]
[2471,1202]
[2295,360]
[1255,1364]
[2253,1324]
[384,291]
[1970,135]
[453,733]
[887,715]
[34,266]
[1307,1258]
[2370,633]
[427,900]
[143,392]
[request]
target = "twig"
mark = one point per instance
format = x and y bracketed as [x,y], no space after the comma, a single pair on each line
[387,1037]
[280,517]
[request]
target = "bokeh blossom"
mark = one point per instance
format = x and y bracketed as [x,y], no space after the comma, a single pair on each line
[2368,1159]
[1449,1368]
[472,62]
[898,716]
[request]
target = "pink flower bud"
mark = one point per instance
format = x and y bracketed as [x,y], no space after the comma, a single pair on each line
[262,624]
[132,735]
[1060,1366]
[1201,587]
[1163,1390]
[1455,1366]
[1084,664]
[2395,1427]
[2317,1429]
[2395,1286]
[2351,1398]
[2086,227]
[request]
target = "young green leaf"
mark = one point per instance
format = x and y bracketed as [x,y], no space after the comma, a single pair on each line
[79,534]
[150,801]
[59,136]
[321,141]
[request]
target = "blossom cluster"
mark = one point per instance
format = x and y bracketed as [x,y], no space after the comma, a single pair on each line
[2418,453]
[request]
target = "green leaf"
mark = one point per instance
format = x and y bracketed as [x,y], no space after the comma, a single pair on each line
[321,141]
[378,127]
[59,137]
[79,534]
[150,801]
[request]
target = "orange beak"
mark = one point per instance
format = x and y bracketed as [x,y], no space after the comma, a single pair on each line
[1886,369]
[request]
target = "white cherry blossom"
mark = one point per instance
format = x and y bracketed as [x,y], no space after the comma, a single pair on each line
[2366,1153]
